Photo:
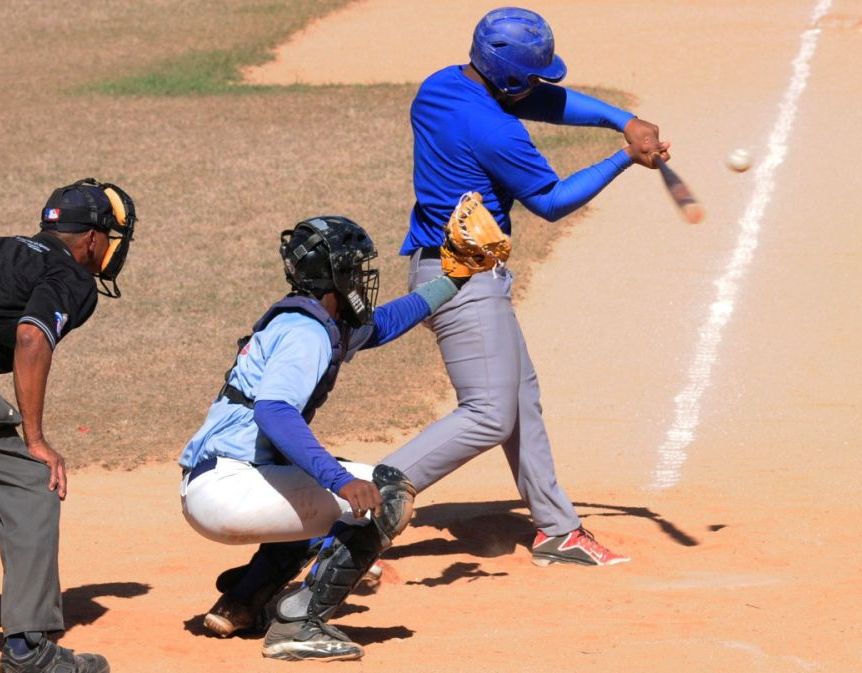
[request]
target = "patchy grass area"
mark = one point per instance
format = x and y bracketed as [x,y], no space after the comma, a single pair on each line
[255,29]
[215,178]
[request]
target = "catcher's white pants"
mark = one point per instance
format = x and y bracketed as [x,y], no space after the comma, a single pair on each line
[238,503]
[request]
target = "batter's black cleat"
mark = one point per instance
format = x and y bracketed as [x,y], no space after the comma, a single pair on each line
[311,640]
[48,657]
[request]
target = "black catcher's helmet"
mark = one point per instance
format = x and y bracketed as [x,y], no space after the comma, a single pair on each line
[330,253]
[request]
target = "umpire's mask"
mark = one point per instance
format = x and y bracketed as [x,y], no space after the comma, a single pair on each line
[89,204]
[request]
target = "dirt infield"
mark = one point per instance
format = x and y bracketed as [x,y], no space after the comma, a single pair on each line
[701,386]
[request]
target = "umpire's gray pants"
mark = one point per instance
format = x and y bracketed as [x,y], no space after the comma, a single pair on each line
[498,398]
[29,540]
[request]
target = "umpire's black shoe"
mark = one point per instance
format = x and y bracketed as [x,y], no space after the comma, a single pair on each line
[49,657]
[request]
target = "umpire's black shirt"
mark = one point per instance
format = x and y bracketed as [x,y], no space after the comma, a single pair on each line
[41,284]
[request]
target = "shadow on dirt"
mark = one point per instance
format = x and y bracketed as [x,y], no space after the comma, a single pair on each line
[491,529]
[455,572]
[666,527]
[366,635]
[81,608]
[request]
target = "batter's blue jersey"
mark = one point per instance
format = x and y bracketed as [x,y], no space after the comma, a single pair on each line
[464,140]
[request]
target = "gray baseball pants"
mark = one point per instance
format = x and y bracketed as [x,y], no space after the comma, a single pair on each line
[498,398]
[29,540]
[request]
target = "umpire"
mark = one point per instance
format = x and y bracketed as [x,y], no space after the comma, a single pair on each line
[47,289]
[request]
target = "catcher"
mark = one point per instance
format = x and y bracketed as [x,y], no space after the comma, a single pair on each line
[254,472]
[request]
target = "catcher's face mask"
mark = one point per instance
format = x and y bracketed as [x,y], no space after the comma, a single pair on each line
[358,289]
[333,254]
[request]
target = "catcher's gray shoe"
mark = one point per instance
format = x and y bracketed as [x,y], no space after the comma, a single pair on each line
[49,657]
[313,640]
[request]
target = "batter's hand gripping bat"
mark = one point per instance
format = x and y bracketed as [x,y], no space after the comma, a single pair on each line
[691,208]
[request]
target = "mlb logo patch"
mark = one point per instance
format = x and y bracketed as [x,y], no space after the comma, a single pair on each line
[51,214]
[60,320]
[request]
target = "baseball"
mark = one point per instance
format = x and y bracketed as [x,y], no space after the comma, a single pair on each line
[739,160]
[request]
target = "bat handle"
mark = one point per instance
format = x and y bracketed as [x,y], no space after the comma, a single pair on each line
[662,166]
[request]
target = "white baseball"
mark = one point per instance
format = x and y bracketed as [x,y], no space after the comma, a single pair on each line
[739,160]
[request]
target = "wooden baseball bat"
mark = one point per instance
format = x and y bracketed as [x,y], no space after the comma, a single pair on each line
[691,208]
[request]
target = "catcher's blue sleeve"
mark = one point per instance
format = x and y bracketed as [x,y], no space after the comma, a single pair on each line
[289,433]
[396,317]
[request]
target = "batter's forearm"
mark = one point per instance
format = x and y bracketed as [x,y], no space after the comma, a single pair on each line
[578,189]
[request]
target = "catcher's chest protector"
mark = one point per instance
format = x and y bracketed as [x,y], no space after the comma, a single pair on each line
[337,339]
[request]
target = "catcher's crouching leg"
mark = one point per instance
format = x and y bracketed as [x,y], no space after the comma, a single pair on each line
[300,630]
[247,589]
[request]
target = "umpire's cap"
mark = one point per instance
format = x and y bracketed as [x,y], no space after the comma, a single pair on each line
[90,204]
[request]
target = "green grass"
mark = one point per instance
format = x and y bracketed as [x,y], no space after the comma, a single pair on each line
[218,71]
[204,72]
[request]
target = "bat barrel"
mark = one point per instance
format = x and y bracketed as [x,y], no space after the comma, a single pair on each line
[691,208]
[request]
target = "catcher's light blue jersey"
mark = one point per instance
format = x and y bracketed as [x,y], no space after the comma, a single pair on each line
[282,362]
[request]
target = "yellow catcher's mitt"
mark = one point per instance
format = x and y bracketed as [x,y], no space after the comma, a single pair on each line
[474,241]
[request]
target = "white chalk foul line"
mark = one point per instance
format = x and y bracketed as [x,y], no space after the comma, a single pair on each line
[672,452]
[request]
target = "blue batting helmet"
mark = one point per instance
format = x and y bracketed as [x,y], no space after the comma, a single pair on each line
[511,45]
